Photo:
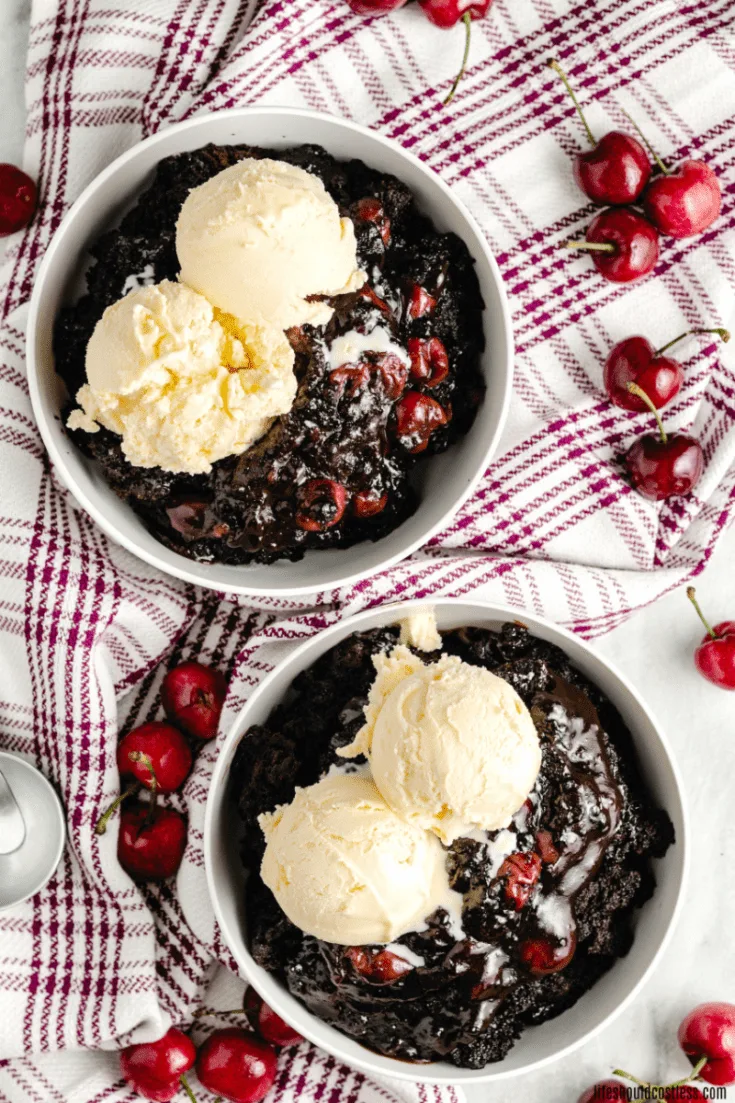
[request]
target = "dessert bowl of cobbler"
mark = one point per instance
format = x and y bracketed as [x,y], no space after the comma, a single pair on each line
[446,844]
[269,351]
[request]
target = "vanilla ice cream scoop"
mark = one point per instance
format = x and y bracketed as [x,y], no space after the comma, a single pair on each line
[183,384]
[451,747]
[346,869]
[262,236]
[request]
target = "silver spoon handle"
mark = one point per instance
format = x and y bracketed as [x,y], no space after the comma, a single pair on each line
[12,827]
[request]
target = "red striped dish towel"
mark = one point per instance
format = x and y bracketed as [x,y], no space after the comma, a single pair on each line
[93,961]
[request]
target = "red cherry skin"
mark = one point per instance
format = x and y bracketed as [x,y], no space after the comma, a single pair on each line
[350,377]
[268,1024]
[192,696]
[429,360]
[383,967]
[419,302]
[150,851]
[521,871]
[372,210]
[322,505]
[634,360]
[715,659]
[167,750]
[635,241]
[686,201]
[154,1069]
[417,416]
[236,1065]
[709,1031]
[661,470]
[546,848]
[375,7]
[18,199]
[447,13]
[542,956]
[606,1091]
[615,172]
[366,504]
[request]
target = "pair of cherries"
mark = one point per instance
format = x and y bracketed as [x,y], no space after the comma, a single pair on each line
[616,173]
[638,377]
[707,1036]
[233,1063]
[442,13]
[158,757]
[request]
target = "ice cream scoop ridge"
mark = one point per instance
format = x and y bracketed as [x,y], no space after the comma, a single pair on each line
[452,747]
[182,383]
[346,869]
[262,237]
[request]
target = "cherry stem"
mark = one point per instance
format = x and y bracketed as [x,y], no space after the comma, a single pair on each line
[467,20]
[647,144]
[723,334]
[692,595]
[140,756]
[104,819]
[635,389]
[693,1075]
[187,1088]
[554,64]
[592,246]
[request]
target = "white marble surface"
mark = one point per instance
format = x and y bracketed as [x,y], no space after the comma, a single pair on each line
[654,649]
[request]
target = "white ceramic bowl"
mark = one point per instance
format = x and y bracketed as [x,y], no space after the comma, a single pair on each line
[444,482]
[538,1045]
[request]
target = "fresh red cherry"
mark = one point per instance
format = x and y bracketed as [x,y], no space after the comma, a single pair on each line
[429,360]
[321,505]
[521,872]
[606,1091]
[157,755]
[18,199]
[234,1064]
[417,416]
[151,842]
[684,202]
[192,696]
[448,13]
[623,244]
[372,210]
[635,360]
[708,1032]
[543,956]
[715,656]
[375,7]
[663,466]
[156,1070]
[154,755]
[419,302]
[616,170]
[366,504]
[270,1026]
[383,967]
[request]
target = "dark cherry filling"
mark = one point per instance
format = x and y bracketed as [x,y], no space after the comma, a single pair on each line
[359,426]
[547,903]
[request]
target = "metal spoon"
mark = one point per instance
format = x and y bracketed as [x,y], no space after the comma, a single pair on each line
[12,827]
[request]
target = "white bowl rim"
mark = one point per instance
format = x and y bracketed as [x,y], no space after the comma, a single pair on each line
[61,823]
[48,431]
[442,1072]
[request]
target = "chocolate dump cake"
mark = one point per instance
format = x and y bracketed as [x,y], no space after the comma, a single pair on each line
[545,903]
[391,378]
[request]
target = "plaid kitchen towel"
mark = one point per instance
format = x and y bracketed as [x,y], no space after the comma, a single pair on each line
[93,960]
